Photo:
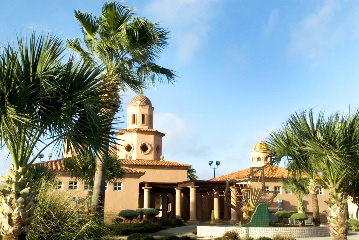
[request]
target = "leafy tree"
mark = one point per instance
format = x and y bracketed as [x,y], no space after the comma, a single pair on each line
[43,100]
[84,167]
[299,187]
[191,174]
[128,47]
[330,149]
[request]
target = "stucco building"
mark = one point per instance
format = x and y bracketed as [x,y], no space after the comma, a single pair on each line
[151,181]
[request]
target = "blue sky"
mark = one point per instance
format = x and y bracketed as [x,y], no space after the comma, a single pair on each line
[243,67]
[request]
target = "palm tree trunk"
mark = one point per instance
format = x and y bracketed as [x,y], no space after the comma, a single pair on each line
[98,195]
[300,204]
[336,216]
[313,192]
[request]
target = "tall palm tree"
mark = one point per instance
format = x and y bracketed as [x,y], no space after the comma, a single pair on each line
[330,149]
[43,100]
[127,46]
[298,186]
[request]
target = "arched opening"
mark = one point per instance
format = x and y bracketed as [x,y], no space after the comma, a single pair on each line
[143,117]
[133,118]
[259,159]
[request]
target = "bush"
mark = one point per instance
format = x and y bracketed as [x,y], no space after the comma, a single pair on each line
[249,238]
[172,237]
[140,236]
[127,229]
[128,214]
[264,238]
[278,237]
[300,217]
[185,238]
[117,220]
[57,217]
[283,214]
[172,222]
[231,235]
[150,213]
[354,224]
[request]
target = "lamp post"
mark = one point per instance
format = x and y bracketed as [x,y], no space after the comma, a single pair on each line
[214,167]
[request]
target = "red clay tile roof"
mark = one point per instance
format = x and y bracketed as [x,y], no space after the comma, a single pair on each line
[140,162]
[122,131]
[140,100]
[58,165]
[269,172]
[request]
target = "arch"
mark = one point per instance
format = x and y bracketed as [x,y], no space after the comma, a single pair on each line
[259,159]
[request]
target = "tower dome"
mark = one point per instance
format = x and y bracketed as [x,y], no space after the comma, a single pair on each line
[140,100]
[261,147]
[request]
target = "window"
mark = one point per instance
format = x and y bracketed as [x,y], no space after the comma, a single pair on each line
[151,120]
[87,186]
[133,118]
[105,186]
[59,185]
[277,189]
[267,189]
[72,185]
[320,191]
[117,186]
[145,148]
[128,148]
[259,159]
[143,119]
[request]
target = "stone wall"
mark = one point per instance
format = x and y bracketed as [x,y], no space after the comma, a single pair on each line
[255,232]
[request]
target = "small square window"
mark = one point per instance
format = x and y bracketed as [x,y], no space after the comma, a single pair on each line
[267,189]
[87,186]
[72,185]
[59,185]
[320,191]
[105,186]
[277,189]
[117,186]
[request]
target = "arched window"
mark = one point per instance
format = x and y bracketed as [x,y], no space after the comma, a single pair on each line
[143,119]
[133,118]
[151,120]
[259,159]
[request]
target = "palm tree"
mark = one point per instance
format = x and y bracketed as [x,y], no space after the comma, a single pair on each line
[298,186]
[329,149]
[127,46]
[285,143]
[42,102]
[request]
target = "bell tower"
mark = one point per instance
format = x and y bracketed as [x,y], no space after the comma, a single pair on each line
[139,140]
[260,155]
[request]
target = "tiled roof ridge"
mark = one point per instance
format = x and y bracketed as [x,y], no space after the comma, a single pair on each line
[270,171]
[144,162]
[58,165]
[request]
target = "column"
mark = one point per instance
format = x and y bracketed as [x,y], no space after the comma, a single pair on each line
[164,205]
[146,197]
[173,204]
[225,209]
[178,203]
[234,215]
[199,206]
[216,204]
[192,204]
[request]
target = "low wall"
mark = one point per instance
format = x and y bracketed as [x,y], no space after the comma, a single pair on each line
[255,232]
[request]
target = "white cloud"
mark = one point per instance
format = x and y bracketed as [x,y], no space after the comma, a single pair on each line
[271,22]
[318,32]
[188,20]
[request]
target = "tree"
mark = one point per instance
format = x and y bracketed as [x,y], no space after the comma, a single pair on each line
[298,186]
[191,174]
[84,167]
[43,101]
[330,149]
[127,46]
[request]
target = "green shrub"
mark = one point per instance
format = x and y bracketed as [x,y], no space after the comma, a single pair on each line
[185,238]
[283,214]
[354,224]
[127,229]
[264,238]
[57,217]
[194,232]
[128,214]
[140,236]
[172,222]
[231,235]
[278,237]
[172,237]
[249,238]
[300,217]
[117,220]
